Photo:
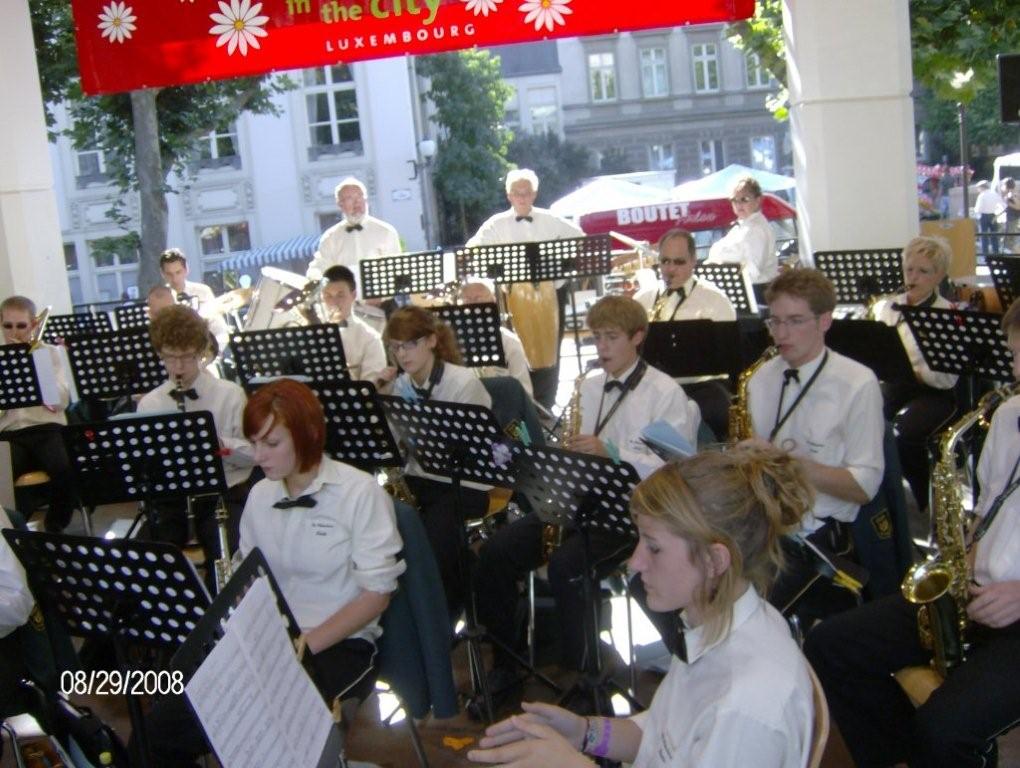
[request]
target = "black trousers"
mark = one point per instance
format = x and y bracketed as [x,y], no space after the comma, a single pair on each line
[917,413]
[40,447]
[855,653]
[176,739]
[505,560]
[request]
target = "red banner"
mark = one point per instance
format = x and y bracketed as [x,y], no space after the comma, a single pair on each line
[129,44]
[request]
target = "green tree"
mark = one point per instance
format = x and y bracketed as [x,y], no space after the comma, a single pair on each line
[560,165]
[148,136]
[469,97]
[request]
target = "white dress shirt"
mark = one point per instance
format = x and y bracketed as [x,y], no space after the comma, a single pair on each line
[885,313]
[324,556]
[503,227]
[21,418]
[704,301]
[226,401]
[338,246]
[989,202]
[838,423]
[752,243]
[363,348]
[998,553]
[457,385]
[746,700]
[15,599]
[516,361]
[655,397]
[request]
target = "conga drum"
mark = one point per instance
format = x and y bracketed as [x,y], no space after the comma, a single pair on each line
[535,312]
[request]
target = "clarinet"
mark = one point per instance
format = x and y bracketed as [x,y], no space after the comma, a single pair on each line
[178,395]
[223,567]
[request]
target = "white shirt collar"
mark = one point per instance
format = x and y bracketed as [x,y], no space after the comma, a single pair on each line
[743,609]
[806,371]
[623,376]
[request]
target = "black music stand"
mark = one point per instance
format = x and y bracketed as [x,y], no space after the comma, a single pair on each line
[462,442]
[145,458]
[874,344]
[1005,271]
[590,493]
[684,348]
[115,364]
[19,383]
[59,327]
[357,432]
[961,341]
[731,280]
[124,590]
[210,628]
[316,351]
[131,316]
[403,274]
[478,332]
[566,259]
[860,275]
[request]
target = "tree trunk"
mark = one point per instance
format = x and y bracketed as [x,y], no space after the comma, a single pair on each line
[151,187]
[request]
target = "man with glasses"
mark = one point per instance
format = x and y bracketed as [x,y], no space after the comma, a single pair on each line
[751,241]
[180,338]
[34,432]
[825,410]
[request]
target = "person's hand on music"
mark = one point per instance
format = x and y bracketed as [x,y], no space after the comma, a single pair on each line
[587,444]
[384,382]
[995,605]
[534,739]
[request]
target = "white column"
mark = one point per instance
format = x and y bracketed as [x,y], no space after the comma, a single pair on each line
[852,123]
[31,248]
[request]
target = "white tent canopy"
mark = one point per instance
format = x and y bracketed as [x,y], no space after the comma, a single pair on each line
[720,184]
[605,194]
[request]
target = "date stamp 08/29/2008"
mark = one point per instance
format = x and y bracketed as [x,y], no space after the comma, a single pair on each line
[116,683]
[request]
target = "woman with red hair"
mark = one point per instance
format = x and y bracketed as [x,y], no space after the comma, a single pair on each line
[327,531]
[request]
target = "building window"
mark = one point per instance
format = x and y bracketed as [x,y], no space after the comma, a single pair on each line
[332,102]
[115,262]
[73,276]
[711,153]
[757,75]
[654,79]
[224,239]
[706,67]
[512,116]
[763,153]
[90,167]
[660,157]
[218,148]
[543,111]
[327,220]
[602,75]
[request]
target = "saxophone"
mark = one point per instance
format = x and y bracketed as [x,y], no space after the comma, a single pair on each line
[653,315]
[740,425]
[394,482]
[939,585]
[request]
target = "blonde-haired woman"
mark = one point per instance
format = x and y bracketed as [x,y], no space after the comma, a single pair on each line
[738,691]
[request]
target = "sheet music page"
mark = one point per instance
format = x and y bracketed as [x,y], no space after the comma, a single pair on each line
[235,711]
[303,714]
[47,374]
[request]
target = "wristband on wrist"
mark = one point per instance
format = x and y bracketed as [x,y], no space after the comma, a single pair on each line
[602,748]
[590,736]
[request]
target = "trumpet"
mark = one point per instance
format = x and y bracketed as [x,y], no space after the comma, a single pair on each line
[40,328]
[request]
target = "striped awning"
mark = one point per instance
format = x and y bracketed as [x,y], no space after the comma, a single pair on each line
[300,247]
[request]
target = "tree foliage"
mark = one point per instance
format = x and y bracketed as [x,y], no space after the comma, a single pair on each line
[561,165]
[147,137]
[469,97]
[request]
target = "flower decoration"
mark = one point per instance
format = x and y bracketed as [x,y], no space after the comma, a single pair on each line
[545,13]
[482,7]
[117,21]
[238,26]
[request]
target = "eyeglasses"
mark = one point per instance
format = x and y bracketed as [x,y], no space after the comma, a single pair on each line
[794,321]
[12,326]
[404,346]
[190,357]
[674,262]
[744,199]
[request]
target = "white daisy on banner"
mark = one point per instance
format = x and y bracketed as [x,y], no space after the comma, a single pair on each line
[117,22]
[238,26]
[482,7]
[545,13]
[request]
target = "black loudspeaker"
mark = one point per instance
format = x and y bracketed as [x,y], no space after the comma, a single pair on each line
[1009,86]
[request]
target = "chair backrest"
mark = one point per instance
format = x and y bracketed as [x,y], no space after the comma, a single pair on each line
[820,727]
[511,403]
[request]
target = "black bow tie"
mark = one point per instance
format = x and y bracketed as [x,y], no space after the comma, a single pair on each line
[680,292]
[353,227]
[524,218]
[301,501]
[183,298]
[180,394]
[791,373]
[609,386]
[423,392]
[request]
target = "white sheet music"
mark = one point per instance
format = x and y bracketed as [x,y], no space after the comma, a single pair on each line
[257,705]
[47,374]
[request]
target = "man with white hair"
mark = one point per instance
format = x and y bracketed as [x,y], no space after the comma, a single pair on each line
[524,223]
[357,236]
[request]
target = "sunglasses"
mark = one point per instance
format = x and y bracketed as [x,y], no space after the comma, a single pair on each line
[12,326]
